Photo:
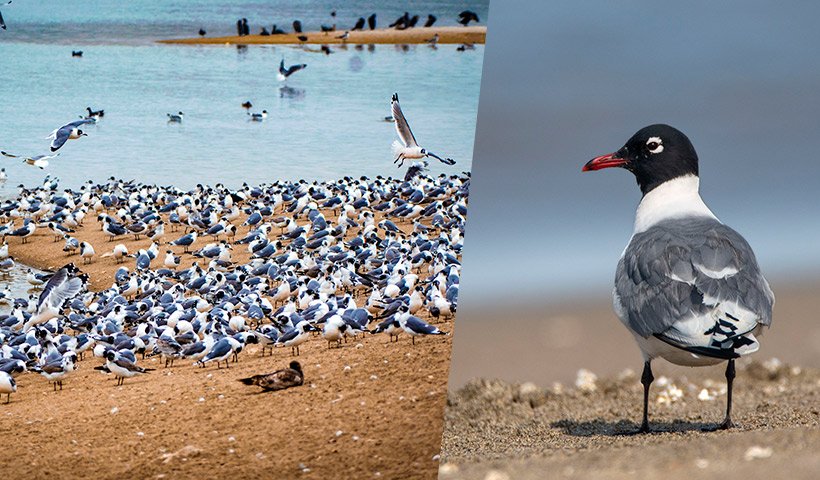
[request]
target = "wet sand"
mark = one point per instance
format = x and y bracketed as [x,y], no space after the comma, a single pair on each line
[536,420]
[380,418]
[447,35]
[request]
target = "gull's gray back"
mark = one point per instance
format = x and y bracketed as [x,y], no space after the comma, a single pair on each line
[686,269]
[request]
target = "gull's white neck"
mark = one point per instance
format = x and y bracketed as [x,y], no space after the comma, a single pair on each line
[675,198]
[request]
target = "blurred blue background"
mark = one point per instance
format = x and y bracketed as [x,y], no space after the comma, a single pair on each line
[566,81]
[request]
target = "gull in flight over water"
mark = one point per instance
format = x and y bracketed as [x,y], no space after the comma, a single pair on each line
[40,161]
[408,148]
[69,131]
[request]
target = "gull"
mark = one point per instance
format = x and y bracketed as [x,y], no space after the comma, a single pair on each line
[7,383]
[57,370]
[25,231]
[408,148]
[343,37]
[258,117]
[119,252]
[3,175]
[175,118]
[466,17]
[415,326]
[69,131]
[185,241]
[64,285]
[2,23]
[284,73]
[86,252]
[39,161]
[278,380]
[687,287]
[122,367]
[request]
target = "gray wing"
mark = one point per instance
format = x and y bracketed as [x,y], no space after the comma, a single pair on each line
[60,287]
[60,137]
[10,155]
[77,123]
[402,127]
[694,284]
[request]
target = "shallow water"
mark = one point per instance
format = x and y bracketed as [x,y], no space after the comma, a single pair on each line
[325,122]
[17,284]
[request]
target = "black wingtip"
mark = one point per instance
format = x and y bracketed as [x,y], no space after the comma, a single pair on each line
[395,97]
[246,381]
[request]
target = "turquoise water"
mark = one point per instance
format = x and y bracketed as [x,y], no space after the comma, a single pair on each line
[329,124]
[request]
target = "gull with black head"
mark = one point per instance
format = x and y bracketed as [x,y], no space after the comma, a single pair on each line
[687,286]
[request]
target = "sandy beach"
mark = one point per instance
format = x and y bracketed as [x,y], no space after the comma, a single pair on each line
[351,419]
[447,35]
[524,415]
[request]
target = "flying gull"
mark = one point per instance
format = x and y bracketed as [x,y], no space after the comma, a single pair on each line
[408,148]
[69,131]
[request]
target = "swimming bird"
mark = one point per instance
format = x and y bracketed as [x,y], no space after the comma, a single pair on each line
[687,287]
[431,19]
[408,148]
[3,23]
[69,131]
[258,117]
[359,24]
[76,53]
[3,175]
[202,32]
[175,118]
[297,26]
[39,161]
[278,380]
[95,114]
[371,21]
[7,383]
[284,73]
[247,105]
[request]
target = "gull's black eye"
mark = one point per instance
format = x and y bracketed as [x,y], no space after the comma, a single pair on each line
[654,145]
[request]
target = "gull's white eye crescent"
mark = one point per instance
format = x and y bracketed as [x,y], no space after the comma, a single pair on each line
[654,144]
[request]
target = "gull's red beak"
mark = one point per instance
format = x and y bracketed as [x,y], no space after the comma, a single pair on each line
[604,161]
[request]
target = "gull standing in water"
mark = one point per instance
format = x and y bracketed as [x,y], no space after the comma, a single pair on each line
[408,148]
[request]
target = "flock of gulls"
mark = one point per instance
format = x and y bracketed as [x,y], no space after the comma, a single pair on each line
[322,262]
[327,261]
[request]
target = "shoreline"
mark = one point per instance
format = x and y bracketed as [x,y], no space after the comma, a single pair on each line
[418,35]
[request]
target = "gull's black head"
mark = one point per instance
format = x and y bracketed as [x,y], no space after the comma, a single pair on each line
[655,154]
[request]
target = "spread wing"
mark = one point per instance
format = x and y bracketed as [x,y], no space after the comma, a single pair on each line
[402,127]
[694,284]
[60,287]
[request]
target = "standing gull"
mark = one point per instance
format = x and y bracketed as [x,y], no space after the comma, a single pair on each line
[687,286]
[408,148]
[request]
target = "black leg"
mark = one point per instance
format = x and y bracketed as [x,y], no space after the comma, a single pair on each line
[646,380]
[730,377]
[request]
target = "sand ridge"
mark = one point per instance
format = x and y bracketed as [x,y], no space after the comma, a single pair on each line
[418,35]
